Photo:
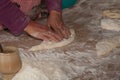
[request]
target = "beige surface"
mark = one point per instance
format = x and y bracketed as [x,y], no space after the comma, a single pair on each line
[110,24]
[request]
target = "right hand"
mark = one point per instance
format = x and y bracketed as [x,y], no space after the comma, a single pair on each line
[41,32]
[55,22]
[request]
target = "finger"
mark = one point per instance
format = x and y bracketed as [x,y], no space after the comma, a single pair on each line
[40,36]
[56,36]
[48,38]
[57,30]
[48,24]
[62,31]
[66,32]
[52,36]
[45,38]
[54,26]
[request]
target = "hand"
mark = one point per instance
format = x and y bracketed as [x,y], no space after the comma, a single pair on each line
[1,27]
[41,32]
[56,23]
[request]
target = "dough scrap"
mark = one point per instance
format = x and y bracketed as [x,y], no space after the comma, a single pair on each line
[51,45]
[110,24]
[105,46]
[113,13]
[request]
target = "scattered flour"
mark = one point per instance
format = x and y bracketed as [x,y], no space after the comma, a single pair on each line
[5,38]
[52,65]
[110,24]
[72,63]
[29,73]
[105,46]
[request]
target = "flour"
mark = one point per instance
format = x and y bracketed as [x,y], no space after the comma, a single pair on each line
[29,73]
[110,24]
[41,70]
[105,46]
[8,38]
[75,62]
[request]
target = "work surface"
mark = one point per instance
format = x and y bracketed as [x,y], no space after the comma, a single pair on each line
[78,60]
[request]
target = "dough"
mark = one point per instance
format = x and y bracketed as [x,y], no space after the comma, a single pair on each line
[105,46]
[50,45]
[113,13]
[110,24]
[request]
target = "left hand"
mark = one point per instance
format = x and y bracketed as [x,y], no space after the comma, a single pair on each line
[56,23]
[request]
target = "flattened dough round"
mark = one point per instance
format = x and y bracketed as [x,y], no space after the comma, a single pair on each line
[105,46]
[50,45]
[113,13]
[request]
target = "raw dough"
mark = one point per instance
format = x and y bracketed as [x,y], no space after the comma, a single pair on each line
[50,45]
[105,46]
[110,24]
[113,13]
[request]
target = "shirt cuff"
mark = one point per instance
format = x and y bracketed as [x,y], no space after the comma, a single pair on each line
[54,5]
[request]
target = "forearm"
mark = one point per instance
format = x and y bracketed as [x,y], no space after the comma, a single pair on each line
[12,17]
[54,5]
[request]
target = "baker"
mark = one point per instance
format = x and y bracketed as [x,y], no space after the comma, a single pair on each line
[16,20]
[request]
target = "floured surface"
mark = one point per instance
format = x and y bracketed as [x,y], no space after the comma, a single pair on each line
[77,61]
[29,73]
[39,71]
[110,24]
[51,45]
[105,46]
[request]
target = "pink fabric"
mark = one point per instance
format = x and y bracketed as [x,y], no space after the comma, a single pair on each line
[26,5]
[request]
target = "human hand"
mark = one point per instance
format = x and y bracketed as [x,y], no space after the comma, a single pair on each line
[41,32]
[1,27]
[56,23]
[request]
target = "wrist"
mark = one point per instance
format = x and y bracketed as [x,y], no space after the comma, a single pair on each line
[27,28]
[55,12]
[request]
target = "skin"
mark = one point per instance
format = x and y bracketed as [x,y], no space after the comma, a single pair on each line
[55,31]
[41,32]
[56,23]
[1,27]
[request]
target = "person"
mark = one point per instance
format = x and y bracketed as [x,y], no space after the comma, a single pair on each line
[15,19]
